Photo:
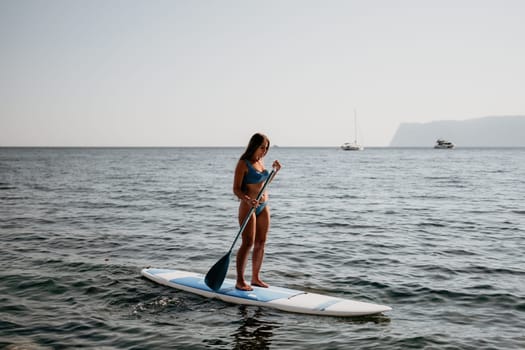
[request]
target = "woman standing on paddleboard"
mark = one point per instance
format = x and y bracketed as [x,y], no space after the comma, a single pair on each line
[250,175]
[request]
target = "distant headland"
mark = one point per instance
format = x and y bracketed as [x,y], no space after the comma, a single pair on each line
[504,131]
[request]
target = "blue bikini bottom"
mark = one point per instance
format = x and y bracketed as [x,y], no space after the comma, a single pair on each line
[260,208]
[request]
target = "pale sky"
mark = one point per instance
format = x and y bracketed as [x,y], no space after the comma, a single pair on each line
[211,73]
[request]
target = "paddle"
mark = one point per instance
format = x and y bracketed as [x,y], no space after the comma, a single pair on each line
[215,277]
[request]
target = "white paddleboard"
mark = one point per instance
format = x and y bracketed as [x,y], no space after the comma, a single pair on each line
[280,298]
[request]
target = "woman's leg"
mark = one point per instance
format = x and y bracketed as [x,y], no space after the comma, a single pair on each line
[261,232]
[243,252]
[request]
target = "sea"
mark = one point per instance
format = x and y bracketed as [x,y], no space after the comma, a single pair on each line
[438,235]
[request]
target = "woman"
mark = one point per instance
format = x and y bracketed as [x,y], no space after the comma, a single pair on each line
[250,175]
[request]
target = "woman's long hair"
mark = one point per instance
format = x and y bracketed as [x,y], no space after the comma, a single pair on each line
[255,142]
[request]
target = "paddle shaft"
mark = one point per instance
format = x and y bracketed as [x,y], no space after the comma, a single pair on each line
[247,218]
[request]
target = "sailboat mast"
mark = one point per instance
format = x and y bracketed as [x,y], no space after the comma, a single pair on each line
[355,126]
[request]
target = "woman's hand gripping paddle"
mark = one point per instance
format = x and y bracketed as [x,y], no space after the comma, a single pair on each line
[215,277]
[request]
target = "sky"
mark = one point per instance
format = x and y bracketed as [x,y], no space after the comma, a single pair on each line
[212,73]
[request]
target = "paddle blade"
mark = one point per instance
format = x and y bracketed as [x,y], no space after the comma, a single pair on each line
[215,277]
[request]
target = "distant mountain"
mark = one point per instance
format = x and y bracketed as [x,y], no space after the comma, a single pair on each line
[481,132]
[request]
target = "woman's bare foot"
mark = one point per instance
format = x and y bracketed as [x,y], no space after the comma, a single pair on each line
[260,283]
[243,286]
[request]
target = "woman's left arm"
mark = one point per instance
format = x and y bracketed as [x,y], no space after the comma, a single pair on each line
[277,166]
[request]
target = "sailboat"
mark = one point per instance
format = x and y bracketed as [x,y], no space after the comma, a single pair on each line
[353,146]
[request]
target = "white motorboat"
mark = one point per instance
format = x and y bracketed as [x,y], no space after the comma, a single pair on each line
[443,144]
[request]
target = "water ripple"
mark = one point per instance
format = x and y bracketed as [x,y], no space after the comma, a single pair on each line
[427,233]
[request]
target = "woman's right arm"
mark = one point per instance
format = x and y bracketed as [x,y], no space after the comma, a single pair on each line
[240,170]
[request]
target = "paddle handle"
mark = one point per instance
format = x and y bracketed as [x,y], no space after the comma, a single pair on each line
[247,218]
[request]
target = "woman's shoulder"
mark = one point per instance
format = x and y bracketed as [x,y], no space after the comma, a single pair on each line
[242,164]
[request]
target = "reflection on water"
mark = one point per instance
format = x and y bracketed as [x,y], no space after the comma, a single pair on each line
[376,319]
[252,332]
[256,331]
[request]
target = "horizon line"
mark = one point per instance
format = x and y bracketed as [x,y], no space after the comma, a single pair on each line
[276,147]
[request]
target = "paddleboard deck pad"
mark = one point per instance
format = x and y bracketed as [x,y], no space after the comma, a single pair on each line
[285,299]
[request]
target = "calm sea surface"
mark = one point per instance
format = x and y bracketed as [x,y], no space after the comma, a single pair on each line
[438,235]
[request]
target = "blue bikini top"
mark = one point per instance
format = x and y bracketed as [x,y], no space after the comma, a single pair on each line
[253,176]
